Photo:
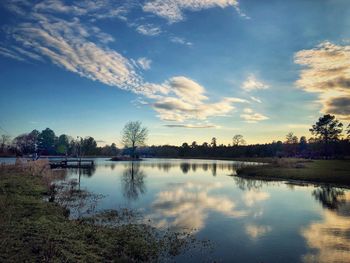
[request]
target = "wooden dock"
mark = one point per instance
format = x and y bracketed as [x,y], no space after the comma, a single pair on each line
[73,163]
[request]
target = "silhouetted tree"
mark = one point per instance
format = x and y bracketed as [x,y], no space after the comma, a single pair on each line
[62,145]
[88,146]
[134,135]
[5,141]
[327,129]
[291,138]
[213,142]
[27,143]
[47,141]
[238,140]
[302,144]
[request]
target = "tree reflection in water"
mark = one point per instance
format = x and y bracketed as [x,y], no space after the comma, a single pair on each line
[329,238]
[133,183]
[329,197]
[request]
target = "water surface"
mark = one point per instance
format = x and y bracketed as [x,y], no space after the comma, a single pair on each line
[246,220]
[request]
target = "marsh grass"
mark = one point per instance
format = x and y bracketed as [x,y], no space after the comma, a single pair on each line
[35,230]
[318,171]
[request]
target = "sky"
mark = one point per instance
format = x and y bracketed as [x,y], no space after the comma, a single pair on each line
[189,70]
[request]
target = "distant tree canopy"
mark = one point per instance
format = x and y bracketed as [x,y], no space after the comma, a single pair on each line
[134,135]
[47,143]
[327,141]
[327,128]
[238,140]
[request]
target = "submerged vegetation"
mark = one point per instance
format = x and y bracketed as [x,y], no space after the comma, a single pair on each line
[35,224]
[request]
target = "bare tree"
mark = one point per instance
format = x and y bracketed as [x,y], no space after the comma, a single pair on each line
[5,140]
[291,138]
[238,140]
[134,135]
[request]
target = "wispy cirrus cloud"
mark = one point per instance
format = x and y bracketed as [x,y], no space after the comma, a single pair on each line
[255,99]
[76,44]
[149,30]
[180,40]
[10,54]
[252,117]
[191,126]
[144,63]
[252,83]
[173,10]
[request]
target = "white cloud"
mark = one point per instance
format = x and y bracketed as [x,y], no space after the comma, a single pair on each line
[191,126]
[252,197]
[92,9]
[180,40]
[328,238]
[10,54]
[250,116]
[45,34]
[186,100]
[252,83]
[172,10]
[256,231]
[327,72]
[144,63]
[187,205]
[149,30]
[256,99]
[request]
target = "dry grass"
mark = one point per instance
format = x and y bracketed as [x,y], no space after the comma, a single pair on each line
[320,171]
[34,230]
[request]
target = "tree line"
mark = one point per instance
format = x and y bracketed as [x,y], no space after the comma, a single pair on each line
[329,140]
[47,143]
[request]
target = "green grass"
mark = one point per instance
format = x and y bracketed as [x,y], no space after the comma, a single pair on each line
[320,171]
[33,230]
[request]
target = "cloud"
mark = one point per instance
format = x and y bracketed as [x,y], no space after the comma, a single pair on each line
[252,83]
[148,30]
[186,99]
[172,10]
[44,32]
[180,40]
[256,231]
[328,238]
[10,54]
[339,106]
[252,197]
[327,72]
[95,10]
[191,126]
[144,63]
[250,116]
[187,205]
[255,99]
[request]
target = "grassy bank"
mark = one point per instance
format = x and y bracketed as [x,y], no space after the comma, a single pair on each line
[35,230]
[320,171]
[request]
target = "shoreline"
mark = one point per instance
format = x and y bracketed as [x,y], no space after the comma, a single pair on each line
[299,182]
[321,172]
[36,224]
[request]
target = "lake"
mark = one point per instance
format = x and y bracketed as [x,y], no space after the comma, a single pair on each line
[245,220]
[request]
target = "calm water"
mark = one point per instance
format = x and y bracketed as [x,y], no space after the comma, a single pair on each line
[246,220]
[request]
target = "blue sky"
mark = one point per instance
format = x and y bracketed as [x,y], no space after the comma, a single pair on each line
[189,70]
